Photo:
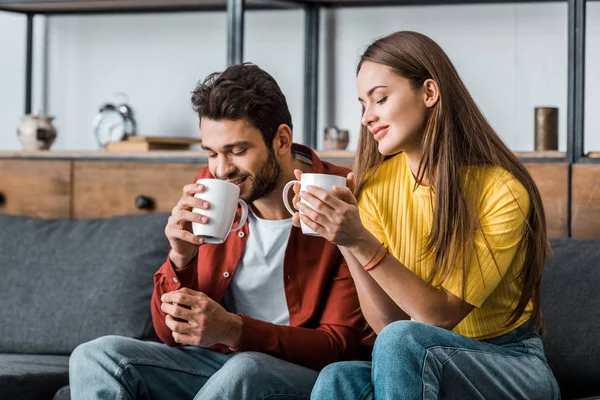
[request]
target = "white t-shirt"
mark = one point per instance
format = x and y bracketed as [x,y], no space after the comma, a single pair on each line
[257,288]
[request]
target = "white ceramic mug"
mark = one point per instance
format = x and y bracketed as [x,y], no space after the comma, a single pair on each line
[224,198]
[323,181]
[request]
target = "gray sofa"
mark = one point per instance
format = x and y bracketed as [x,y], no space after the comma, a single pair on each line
[65,282]
[571,307]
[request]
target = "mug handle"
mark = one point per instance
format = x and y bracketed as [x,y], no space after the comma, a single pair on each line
[286,189]
[244,206]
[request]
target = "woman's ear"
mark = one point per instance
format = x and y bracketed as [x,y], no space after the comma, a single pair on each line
[282,142]
[431,92]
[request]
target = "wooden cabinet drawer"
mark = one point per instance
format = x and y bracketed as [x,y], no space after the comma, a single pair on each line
[552,180]
[35,188]
[102,189]
[585,214]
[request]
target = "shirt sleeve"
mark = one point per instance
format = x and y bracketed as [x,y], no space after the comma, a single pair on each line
[503,209]
[369,216]
[168,279]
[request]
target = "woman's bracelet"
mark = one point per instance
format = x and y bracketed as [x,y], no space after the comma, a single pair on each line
[368,266]
[374,254]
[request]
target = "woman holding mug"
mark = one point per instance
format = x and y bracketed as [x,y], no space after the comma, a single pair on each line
[445,237]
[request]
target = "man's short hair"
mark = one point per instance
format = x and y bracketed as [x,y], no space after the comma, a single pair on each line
[243,91]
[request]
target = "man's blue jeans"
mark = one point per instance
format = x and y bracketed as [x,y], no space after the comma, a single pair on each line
[412,360]
[118,368]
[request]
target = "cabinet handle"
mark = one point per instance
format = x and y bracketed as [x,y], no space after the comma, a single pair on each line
[144,202]
[2,199]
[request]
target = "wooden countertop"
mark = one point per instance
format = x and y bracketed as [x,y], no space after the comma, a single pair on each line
[191,155]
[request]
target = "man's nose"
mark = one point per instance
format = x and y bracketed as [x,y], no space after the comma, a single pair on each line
[224,167]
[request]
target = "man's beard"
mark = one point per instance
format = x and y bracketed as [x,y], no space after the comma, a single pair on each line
[263,183]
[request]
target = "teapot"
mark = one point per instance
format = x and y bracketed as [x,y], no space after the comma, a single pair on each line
[35,132]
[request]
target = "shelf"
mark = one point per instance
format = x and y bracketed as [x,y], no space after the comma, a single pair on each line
[559,155]
[149,156]
[343,154]
[541,154]
[371,3]
[200,156]
[131,6]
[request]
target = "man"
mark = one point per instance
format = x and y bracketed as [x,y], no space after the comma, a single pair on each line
[258,315]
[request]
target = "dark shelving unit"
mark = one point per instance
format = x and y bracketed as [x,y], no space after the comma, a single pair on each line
[235,30]
[235,34]
[580,155]
[576,59]
[65,7]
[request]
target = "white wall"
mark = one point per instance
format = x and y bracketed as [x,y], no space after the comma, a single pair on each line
[592,78]
[12,77]
[12,74]
[155,59]
[512,58]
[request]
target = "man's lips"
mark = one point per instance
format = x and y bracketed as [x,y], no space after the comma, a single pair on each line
[238,182]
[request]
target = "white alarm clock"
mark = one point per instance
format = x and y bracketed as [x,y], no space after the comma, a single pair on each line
[113,124]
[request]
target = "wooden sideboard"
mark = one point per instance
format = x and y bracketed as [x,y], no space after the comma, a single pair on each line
[91,188]
[585,192]
[105,188]
[90,185]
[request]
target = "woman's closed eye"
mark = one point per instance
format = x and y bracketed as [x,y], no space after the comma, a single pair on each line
[383,100]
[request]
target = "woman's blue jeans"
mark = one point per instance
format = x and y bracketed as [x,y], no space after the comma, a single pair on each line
[412,360]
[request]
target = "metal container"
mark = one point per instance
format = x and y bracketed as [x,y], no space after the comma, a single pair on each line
[335,138]
[546,128]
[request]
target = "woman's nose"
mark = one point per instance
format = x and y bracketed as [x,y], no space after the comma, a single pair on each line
[368,117]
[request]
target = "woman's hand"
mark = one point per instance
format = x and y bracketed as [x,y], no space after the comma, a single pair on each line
[336,217]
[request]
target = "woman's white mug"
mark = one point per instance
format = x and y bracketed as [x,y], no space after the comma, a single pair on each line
[323,181]
[224,198]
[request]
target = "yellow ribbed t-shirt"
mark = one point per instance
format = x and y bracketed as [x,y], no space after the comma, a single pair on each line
[402,217]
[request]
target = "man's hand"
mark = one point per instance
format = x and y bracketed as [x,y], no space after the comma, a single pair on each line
[296,188]
[195,319]
[184,244]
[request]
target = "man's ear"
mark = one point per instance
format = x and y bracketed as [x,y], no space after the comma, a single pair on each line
[282,142]
[431,92]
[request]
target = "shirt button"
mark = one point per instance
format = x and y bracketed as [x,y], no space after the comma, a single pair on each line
[175,280]
[226,274]
[289,277]
[241,234]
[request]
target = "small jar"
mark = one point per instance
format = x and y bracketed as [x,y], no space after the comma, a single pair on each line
[36,132]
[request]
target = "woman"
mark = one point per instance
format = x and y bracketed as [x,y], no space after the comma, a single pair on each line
[448,250]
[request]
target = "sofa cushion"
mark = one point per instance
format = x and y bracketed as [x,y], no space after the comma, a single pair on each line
[65,282]
[32,377]
[571,307]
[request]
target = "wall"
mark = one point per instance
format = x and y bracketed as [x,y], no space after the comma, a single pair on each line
[512,58]
[12,73]
[592,78]
[12,77]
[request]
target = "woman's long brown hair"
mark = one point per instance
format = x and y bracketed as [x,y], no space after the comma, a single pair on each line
[456,135]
